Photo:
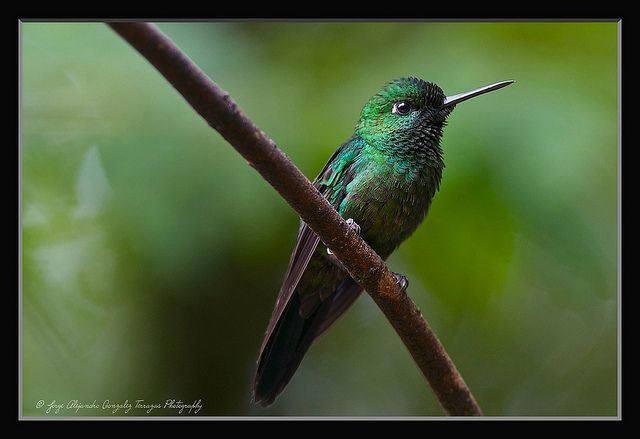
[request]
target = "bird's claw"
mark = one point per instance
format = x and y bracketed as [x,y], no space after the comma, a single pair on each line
[402,281]
[353,226]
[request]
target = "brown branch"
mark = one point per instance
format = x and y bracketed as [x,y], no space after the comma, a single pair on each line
[363,264]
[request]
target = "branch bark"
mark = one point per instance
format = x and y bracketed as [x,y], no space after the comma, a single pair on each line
[364,265]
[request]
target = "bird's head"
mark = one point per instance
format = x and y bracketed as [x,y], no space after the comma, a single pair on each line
[410,109]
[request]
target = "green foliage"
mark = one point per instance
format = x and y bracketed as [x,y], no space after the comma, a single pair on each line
[152,253]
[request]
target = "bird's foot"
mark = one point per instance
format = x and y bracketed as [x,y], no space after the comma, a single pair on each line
[402,281]
[353,226]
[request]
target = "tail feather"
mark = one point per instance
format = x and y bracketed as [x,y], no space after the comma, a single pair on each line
[291,339]
[282,355]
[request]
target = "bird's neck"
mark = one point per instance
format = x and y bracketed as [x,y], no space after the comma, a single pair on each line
[416,153]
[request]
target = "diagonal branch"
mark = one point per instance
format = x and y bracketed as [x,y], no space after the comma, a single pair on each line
[363,264]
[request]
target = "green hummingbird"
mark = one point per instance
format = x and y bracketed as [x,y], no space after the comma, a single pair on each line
[382,180]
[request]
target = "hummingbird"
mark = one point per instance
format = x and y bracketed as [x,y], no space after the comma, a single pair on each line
[382,181]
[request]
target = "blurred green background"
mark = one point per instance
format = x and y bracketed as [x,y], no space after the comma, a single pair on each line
[152,254]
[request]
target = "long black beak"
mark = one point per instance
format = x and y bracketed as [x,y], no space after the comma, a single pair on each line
[456,99]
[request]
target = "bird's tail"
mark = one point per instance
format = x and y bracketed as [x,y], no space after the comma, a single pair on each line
[282,354]
[291,339]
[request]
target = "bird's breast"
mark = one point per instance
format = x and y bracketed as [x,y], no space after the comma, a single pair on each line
[388,202]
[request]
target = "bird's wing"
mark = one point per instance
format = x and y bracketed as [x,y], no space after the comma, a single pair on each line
[335,305]
[331,182]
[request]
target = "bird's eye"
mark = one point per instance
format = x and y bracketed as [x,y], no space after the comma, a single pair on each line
[401,108]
